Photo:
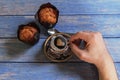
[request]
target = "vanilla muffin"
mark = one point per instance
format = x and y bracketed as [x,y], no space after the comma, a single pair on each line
[48,15]
[29,33]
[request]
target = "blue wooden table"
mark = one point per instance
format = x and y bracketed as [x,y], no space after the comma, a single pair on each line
[19,61]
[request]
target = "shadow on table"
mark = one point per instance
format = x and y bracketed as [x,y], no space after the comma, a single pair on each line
[68,70]
[12,48]
[40,56]
[78,71]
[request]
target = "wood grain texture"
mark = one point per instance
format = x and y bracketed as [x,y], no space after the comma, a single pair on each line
[19,61]
[12,50]
[50,71]
[29,7]
[108,25]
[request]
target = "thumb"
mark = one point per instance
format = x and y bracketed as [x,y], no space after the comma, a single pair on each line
[76,50]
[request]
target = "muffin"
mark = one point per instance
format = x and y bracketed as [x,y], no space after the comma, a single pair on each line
[47,15]
[29,33]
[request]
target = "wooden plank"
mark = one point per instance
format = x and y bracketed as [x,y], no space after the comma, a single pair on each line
[118,69]
[50,71]
[47,71]
[29,7]
[12,50]
[108,25]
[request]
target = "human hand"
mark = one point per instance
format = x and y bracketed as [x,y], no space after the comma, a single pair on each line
[95,51]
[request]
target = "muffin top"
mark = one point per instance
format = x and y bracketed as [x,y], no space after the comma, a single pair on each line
[27,33]
[48,15]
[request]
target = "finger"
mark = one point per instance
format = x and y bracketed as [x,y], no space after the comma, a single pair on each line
[88,31]
[80,35]
[76,42]
[75,49]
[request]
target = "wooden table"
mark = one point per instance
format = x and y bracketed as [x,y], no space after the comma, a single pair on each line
[19,61]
